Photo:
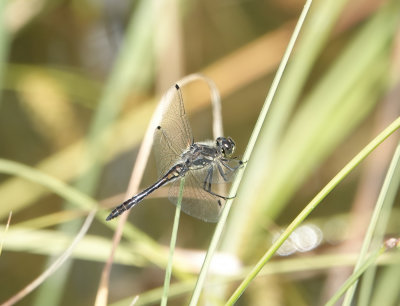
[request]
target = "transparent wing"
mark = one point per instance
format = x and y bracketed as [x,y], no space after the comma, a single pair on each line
[197,202]
[174,135]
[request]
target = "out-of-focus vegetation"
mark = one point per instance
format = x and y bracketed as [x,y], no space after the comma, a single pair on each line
[79,83]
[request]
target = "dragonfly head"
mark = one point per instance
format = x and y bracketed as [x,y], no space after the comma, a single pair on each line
[226,146]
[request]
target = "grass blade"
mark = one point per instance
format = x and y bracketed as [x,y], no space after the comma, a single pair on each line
[172,245]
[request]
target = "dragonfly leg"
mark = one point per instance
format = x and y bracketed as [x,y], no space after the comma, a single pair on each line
[219,196]
[207,180]
[221,171]
[207,185]
[228,168]
[231,168]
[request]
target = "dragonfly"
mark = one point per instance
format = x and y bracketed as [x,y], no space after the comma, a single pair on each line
[202,164]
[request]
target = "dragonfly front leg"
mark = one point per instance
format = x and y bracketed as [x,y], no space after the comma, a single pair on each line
[207,184]
[232,169]
[207,180]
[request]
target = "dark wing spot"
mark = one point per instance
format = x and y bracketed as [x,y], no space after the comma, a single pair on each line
[158,127]
[219,203]
[177,86]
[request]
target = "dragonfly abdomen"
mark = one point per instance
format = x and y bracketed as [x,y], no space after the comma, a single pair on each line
[176,171]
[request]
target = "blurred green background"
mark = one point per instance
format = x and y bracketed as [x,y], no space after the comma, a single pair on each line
[79,83]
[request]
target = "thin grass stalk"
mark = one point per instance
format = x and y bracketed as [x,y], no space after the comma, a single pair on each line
[5,231]
[221,224]
[388,244]
[55,266]
[386,289]
[384,203]
[356,274]
[311,206]
[172,245]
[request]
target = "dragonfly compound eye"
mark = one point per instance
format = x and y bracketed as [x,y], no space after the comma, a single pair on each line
[226,145]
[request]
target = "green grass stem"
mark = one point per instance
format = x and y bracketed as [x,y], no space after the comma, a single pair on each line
[172,245]
[260,121]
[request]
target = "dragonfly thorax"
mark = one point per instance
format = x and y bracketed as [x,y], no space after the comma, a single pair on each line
[200,155]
